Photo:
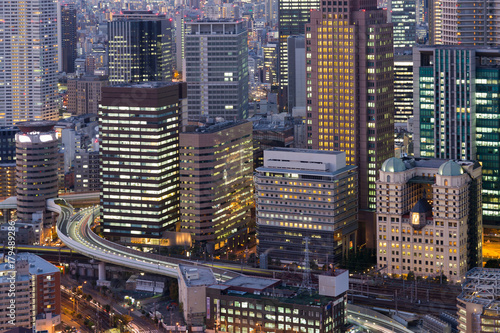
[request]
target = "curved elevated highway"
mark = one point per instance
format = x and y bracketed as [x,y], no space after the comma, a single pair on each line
[75,232]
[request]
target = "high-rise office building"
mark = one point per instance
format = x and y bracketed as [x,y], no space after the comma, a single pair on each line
[140,48]
[297,72]
[403,87]
[68,38]
[270,53]
[457,112]
[139,133]
[28,67]
[464,23]
[216,69]
[306,193]
[350,97]
[8,161]
[180,29]
[402,14]
[216,175]
[429,218]
[86,171]
[84,94]
[292,18]
[37,161]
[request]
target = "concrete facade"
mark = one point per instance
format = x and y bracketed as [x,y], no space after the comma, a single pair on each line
[429,217]
[306,193]
[216,164]
[37,162]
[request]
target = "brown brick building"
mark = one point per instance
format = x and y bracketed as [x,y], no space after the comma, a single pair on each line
[216,166]
[350,99]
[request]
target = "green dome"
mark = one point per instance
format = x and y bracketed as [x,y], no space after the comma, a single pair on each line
[450,168]
[393,164]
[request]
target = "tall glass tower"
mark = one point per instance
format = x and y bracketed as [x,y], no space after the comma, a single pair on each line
[139,132]
[140,48]
[293,15]
[458,113]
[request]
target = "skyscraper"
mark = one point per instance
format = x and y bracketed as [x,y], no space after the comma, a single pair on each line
[36,169]
[216,184]
[216,69]
[28,67]
[68,54]
[140,48]
[457,112]
[84,94]
[464,23]
[139,133]
[297,72]
[403,87]
[292,18]
[402,14]
[350,97]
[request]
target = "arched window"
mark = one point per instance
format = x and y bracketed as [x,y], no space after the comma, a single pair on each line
[446,182]
[388,179]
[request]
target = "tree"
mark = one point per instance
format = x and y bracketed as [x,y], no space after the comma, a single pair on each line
[492,263]
[410,276]
[252,259]
[174,289]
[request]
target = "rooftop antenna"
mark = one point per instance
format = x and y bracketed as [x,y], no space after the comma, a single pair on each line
[306,276]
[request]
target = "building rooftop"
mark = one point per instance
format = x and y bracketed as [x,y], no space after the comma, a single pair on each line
[308,151]
[36,126]
[394,164]
[308,172]
[213,128]
[482,286]
[196,275]
[250,282]
[146,85]
[37,265]
[450,168]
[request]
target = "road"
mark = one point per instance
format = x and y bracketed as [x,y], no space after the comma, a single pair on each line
[75,232]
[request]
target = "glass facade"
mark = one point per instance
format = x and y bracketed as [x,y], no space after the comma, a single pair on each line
[459,115]
[140,51]
[139,155]
[293,16]
[403,88]
[404,19]
[488,138]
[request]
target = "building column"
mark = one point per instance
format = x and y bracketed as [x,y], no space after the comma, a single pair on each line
[102,271]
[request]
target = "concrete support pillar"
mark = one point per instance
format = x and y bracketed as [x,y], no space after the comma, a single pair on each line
[102,271]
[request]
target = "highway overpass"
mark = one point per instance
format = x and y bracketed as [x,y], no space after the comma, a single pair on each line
[74,231]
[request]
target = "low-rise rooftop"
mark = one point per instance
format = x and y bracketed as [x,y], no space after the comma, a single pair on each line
[196,275]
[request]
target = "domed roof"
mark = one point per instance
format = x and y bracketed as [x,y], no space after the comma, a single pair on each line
[422,206]
[393,164]
[450,168]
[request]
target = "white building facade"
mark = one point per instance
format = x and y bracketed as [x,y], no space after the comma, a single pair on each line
[429,219]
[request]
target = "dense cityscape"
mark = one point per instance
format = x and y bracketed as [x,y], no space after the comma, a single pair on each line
[305,166]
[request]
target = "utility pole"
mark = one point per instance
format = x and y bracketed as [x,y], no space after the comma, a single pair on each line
[396,300]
